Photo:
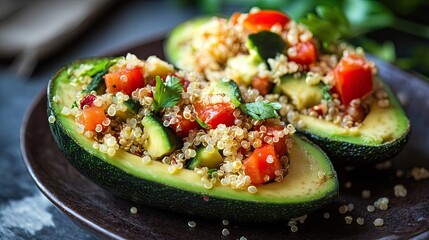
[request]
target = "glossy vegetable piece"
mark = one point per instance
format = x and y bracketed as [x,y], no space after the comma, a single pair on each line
[214,114]
[264,45]
[206,157]
[265,20]
[125,80]
[262,165]
[279,146]
[183,126]
[303,53]
[353,78]
[93,116]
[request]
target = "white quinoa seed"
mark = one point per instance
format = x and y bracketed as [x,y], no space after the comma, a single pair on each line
[370,208]
[326,215]
[378,222]
[342,209]
[360,221]
[192,224]
[133,210]
[400,190]
[348,219]
[51,119]
[350,207]
[225,222]
[225,232]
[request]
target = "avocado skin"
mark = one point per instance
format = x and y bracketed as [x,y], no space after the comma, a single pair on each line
[345,153]
[155,194]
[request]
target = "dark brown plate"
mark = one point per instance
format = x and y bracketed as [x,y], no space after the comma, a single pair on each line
[106,215]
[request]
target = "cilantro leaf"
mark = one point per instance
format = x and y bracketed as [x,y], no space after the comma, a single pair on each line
[74,105]
[326,92]
[97,73]
[329,25]
[168,93]
[202,124]
[261,110]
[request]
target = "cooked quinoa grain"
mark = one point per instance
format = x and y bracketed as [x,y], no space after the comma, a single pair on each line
[192,224]
[120,115]
[220,48]
[133,210]
[400,190]
[378,222]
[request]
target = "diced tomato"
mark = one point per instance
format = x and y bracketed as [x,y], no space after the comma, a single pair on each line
[92,116]
[87,100]
[262,165]
[215,113]
[183,126]
[303,53]
[262,84]
[279,146]
[125,80]
[264,20]
[353,78]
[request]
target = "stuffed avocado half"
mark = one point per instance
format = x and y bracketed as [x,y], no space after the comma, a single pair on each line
[334,94]
[110,120]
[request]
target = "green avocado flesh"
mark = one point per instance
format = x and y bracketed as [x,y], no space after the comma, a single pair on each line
[381,135]
[127,176]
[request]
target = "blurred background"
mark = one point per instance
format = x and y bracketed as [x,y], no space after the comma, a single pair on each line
[39,36]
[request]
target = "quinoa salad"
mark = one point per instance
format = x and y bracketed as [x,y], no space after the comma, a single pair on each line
[243,47]
[218,129]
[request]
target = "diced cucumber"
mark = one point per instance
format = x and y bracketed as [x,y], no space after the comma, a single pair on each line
[265,45]
[206,157]
[228,88]
[161,140]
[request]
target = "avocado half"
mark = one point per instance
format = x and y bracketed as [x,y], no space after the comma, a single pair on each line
[382,135]
[128,177]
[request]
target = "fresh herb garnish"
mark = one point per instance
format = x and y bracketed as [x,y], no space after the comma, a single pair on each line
[329,25]
[166,94]
[211,171]
[261,110]
[326,90]
[97,73]
[74,105]
[202,124]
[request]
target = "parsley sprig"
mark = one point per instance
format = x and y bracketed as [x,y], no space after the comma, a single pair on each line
[261,110]
[166,94]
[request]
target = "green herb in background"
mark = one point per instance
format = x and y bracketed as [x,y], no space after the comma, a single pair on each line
[329,25]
